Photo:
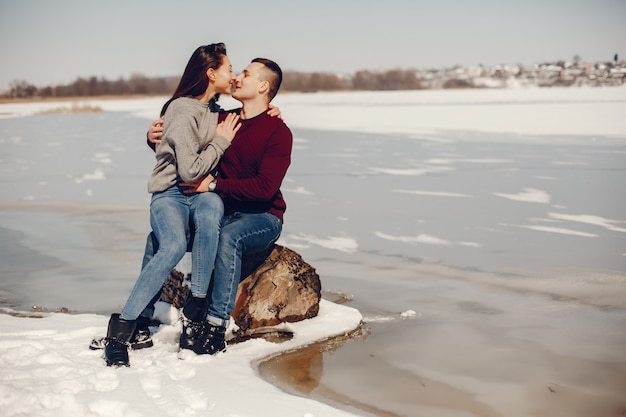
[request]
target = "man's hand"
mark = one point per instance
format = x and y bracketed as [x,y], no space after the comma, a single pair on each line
[200,186]
[156,131]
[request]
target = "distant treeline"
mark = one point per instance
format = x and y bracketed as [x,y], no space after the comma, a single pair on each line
[292,81]
[93,86]
[549,74]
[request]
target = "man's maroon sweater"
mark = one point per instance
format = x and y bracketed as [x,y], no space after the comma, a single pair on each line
[253,167]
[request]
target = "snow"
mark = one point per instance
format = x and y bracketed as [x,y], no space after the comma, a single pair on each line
[528,195]
[48,370]
[529,111]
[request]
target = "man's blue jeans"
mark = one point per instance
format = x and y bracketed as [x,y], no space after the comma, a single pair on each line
[171,212]
[241,234]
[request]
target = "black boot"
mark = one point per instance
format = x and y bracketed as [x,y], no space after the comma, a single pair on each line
[192,318]
[141,339]
[191,337]
[213,339]
[116,343]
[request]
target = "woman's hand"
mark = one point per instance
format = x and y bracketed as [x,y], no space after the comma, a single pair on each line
[200,186]
[228,127]
[156,131]
[274,112]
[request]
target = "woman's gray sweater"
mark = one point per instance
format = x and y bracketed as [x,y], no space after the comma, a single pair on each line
[189,149]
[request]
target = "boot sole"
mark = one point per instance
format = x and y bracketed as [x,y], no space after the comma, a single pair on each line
[118,364]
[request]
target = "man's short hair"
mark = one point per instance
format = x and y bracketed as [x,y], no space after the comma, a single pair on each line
[273,74]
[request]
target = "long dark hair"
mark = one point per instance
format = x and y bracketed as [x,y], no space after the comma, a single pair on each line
[194,80]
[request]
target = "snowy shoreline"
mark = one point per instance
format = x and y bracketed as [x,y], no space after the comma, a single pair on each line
[48,371]
[35,367]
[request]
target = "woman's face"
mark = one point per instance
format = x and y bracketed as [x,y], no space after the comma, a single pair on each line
[224,77]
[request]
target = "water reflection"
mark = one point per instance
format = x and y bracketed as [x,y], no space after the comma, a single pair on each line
[300,371]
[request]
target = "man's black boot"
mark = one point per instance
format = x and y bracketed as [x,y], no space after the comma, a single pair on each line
[192,317]
[214,339]
[117,341]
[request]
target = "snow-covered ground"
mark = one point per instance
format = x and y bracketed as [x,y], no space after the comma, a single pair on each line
[47,370]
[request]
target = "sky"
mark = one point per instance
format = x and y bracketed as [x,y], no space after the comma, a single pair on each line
[50,43]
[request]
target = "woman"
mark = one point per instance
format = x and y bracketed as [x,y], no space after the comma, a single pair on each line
[190,148]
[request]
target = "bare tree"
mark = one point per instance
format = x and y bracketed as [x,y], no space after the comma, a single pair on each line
[21,89]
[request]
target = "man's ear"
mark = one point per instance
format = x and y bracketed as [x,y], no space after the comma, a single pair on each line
[264,87]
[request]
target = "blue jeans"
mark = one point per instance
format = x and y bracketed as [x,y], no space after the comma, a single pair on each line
[152,244]
[241,233]
[171,212]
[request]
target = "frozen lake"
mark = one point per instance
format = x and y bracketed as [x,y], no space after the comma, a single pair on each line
[481,233]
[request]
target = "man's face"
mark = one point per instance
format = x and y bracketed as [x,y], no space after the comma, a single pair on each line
[249,82]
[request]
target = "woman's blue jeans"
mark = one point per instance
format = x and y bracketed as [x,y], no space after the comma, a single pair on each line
[241,233]
[171,213]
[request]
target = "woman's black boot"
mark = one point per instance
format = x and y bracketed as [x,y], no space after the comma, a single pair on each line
[117,341]
[141,338]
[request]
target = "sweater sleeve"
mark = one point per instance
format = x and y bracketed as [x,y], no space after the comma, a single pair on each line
[182,134]
[272,170]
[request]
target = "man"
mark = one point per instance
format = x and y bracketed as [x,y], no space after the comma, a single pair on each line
[248,180]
